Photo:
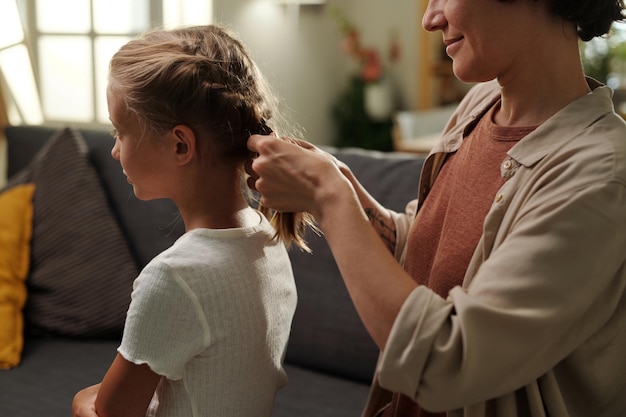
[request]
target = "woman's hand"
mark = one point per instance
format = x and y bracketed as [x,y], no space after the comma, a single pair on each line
[299,177]
[294,176]
[84,404]
[308,145]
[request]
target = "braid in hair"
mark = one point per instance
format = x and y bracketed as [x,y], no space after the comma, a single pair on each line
[203,77]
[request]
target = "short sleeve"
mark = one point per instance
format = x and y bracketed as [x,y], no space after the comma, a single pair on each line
[165,325]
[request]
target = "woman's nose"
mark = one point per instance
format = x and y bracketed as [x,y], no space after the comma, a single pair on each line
[434,18]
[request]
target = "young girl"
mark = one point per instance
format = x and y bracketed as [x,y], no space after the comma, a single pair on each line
[208,323]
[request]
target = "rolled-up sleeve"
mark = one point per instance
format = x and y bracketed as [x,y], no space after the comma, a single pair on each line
[422,319]
[402,223]
[535,299]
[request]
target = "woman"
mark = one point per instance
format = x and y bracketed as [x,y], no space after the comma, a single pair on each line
[509,297]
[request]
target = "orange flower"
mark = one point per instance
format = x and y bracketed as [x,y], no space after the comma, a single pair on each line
[351,43]
[394,49]
[372,68]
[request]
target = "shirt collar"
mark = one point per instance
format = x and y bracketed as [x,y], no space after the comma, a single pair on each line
[553,133]
[557,130]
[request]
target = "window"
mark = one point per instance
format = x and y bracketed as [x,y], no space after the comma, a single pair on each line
[604,58]
[72,41]
[18,80]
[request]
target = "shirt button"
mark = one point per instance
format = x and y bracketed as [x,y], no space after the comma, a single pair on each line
[506,165]
[499,198]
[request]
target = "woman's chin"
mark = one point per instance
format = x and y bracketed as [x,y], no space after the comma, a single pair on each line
[470,73]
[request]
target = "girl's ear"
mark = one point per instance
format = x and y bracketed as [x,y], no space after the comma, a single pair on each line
[185,144]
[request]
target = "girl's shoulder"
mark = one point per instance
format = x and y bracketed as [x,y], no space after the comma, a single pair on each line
[211,251]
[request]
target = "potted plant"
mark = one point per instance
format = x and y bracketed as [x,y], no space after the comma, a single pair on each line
[363,111]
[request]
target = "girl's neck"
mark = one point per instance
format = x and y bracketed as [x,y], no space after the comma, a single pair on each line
[232,219]
[215,200]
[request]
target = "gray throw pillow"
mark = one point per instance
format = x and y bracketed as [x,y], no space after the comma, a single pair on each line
[81,267]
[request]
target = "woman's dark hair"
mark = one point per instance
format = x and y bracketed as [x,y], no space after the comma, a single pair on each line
[592,17]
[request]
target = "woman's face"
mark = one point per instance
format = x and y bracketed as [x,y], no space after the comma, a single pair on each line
[486,39]
[144,159]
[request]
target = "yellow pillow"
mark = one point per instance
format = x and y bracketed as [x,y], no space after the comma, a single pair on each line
[16,217]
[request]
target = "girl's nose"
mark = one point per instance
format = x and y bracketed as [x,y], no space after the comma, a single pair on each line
[115,152]
[434,18]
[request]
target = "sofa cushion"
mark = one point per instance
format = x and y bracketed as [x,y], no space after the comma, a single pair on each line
[81,269]
[16,217]
[33,388]
[52,371]
[315,394]
[149,226]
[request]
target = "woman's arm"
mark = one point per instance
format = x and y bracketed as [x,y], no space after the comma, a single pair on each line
[126,390]
[379,216]
[291,178]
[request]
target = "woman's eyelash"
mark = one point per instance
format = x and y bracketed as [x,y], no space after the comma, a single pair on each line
[114,133]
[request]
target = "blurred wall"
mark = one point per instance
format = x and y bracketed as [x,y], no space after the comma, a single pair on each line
[298,49]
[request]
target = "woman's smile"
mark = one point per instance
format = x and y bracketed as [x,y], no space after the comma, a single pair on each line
[452,44]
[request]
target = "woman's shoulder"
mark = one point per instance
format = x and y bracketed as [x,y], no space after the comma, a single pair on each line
[595,134]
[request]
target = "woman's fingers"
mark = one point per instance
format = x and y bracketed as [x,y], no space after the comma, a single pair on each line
[248,168]
[278,173]
[291,175]
[251,182]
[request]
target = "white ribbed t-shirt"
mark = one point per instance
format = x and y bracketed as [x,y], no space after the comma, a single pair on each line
[212,315]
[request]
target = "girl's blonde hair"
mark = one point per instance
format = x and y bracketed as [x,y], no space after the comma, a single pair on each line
[203,77]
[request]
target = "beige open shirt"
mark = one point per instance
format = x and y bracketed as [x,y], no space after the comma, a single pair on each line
[538,327]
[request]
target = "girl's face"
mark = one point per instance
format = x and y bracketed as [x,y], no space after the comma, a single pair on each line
[144,159]
[486,39]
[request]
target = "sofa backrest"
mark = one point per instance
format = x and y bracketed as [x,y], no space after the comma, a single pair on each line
[150,226]
[327,334]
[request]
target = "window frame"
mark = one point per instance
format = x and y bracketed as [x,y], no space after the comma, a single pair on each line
[33,35]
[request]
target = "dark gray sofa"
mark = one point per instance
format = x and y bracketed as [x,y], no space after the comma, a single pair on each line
[330,358]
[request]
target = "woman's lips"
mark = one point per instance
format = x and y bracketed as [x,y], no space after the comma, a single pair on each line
[452,44]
